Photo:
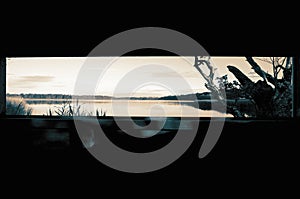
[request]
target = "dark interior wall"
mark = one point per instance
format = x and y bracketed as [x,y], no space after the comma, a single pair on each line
[249,159]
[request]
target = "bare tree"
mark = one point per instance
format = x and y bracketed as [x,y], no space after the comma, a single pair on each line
[271,96]
[217,92]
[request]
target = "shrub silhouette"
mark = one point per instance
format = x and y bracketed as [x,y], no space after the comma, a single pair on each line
[16,106]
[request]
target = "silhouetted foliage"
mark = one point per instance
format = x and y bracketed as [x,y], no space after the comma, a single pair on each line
[271,97]
[233,89]
[17,107]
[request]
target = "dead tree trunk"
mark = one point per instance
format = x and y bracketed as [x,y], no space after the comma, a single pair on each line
[260,92]
[271,102]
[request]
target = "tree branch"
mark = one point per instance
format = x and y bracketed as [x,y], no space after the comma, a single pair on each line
[259,71]
[209,78]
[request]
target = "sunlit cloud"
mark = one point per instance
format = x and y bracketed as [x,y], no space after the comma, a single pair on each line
[26,82]
[36,78]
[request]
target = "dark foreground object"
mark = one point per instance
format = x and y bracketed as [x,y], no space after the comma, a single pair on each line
[48,153]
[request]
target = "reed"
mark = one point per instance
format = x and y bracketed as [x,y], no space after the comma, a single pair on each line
[69,109]
[17,106]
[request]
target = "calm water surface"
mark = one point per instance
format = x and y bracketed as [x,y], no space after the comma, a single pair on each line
[156,108]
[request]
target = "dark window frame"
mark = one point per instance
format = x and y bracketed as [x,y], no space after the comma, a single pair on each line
[2,86]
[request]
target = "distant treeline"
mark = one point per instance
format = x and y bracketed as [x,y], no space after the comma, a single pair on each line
[40,96]
[55,96]
[200,96]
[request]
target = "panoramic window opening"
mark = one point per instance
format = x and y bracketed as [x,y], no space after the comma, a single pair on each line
[161,86]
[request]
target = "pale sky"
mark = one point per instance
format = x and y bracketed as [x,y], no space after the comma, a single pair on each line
[153,76]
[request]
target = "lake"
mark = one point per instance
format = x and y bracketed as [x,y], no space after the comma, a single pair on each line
[143,108]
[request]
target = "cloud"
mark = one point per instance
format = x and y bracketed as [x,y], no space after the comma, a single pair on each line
[29,81]
[36,78]
[59,85]
[253,75]
[179,74]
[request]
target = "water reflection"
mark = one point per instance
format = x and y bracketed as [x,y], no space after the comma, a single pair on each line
[133,108]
